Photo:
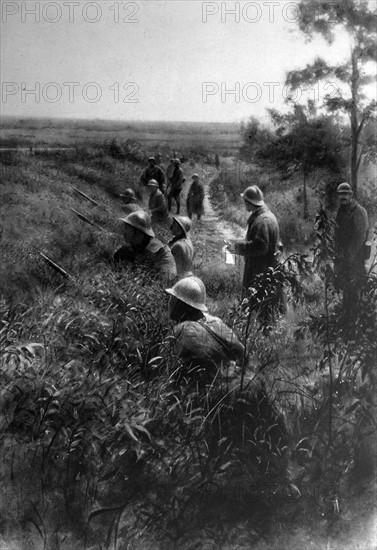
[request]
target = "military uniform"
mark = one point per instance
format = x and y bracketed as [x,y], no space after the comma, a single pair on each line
[176,185]
[195,198]
[207,346]
[155,256]
[130,207]
[154,173]
[261,244]
[183,253]
[351,234]
[157,207]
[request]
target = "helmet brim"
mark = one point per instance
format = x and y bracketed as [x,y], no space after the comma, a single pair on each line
[200,307]
[148,232]
[177,220]
[254,203]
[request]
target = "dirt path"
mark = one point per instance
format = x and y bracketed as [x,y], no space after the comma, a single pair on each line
[209,233]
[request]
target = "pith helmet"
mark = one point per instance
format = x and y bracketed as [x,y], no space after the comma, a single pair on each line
[191,291]
[128,194]
[344,188]
[253,195]
[141,221]
[152,183]
[177,161]
[152,159]
[195,176]
[183,222]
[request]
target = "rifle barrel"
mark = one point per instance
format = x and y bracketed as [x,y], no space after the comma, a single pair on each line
[55,266]
[85,196]
[87,220]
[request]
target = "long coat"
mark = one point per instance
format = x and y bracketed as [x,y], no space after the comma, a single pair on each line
[351,234]
[261,243]
[195,199]
[177,179]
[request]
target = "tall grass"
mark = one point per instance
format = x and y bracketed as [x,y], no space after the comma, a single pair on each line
[122,455]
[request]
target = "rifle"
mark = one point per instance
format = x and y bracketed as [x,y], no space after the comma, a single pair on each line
[87,197]
[87,220]
[54,265]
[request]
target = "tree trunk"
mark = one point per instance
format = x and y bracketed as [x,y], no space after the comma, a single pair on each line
[305,196]
[354,122]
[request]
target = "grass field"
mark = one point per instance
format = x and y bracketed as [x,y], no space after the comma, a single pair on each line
[223,138]
[121,457]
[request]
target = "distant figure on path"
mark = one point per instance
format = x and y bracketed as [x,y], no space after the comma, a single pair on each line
[130,203]
[195,198]
[175,185]
[153,172]
[142,248]
[351,235]
[204,343]
[181,246]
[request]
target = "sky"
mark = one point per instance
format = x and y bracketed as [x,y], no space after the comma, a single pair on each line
[177,60]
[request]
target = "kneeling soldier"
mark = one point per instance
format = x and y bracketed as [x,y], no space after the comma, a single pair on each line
[142,248]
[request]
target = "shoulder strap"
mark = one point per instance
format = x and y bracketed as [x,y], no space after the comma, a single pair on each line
[218,338]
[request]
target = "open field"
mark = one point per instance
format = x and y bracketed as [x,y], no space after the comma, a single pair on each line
[209,137]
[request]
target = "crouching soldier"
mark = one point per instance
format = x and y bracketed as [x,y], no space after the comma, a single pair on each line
[130,203]
[204,343]
[181,246]
[142,248]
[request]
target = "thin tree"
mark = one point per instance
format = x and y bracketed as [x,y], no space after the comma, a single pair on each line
[358,18]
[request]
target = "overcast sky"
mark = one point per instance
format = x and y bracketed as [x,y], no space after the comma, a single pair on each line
[152,60]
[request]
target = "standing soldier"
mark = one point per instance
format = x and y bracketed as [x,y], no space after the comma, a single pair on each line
[176,185]
[153,172]
[157,204]
[195,198]
[169,171]
[181,246]
[261,246]
[142,248]
[130,203]
[351,234]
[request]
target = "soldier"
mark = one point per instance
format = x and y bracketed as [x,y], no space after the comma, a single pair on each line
[204,343]
[153,172]
[170,170]
[351,234]
[261,246]
[142,248]
[175,185]
[181,246]
[157,204]
[195,198]
[130,203]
